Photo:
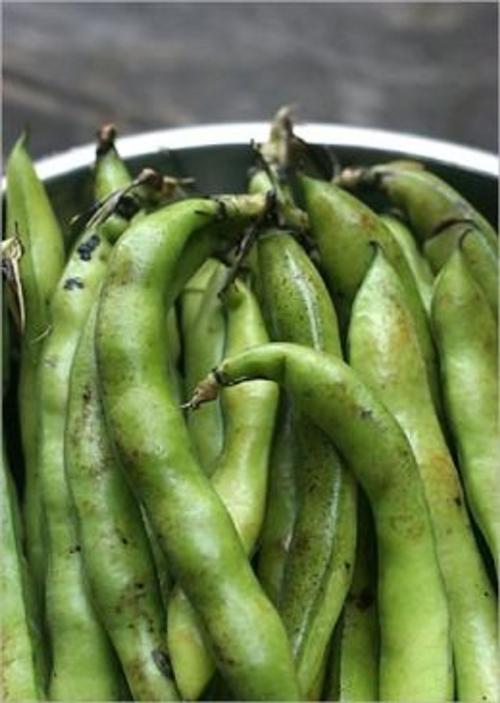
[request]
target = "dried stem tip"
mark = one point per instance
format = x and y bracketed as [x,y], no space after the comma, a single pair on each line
[205,391]
[106,136]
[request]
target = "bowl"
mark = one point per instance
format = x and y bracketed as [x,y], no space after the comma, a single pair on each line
[218,157]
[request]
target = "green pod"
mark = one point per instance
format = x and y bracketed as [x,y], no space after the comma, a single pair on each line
[111,173]
[203,349]
[30,217]
[344,229]
[418,264]
[466,337]
[314,587]
[415,659]
[384,350]
[281,506]
[428,201]
[149,268]
[481,260]
[192,295]
[21,646]
[75,633]
[240,479]
[354,655]
[126,594]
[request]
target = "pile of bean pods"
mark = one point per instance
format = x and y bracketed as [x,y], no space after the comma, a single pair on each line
[328,526]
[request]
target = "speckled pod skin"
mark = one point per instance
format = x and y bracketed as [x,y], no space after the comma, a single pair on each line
[240,479]
[384,350]
[315,579]
[116,553]
[30,216]
[428,202]
[344,229]
[415,660]
[467,340]
[75,633]
[149,268]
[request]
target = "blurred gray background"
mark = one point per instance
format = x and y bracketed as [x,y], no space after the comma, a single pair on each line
[426,68]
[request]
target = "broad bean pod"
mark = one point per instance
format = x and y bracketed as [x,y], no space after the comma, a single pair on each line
[149,268]
[384,350]
[344,229]
[415,660]
[316,579]
[75,633]
[31,218]
[240,479]
[430,203]
[481,259]
[111,530]
[467,341]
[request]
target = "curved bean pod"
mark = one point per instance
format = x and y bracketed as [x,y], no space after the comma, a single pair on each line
[384,350]
[481,260]
[415,662]
[344,229]
[31,217]
[71,621]
[428,201]
[315,577]
[112,532]
[466,336]
[240,479]
[148,270]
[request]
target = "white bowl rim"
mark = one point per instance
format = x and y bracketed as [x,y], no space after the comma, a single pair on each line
[242,133]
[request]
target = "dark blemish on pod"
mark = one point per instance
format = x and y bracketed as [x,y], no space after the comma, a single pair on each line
[139,585]
[347,565]
[75,549]
[72,283]
[366,414]
[458,501]
[87,394]
[162,662]
[124,540]
[86,249]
